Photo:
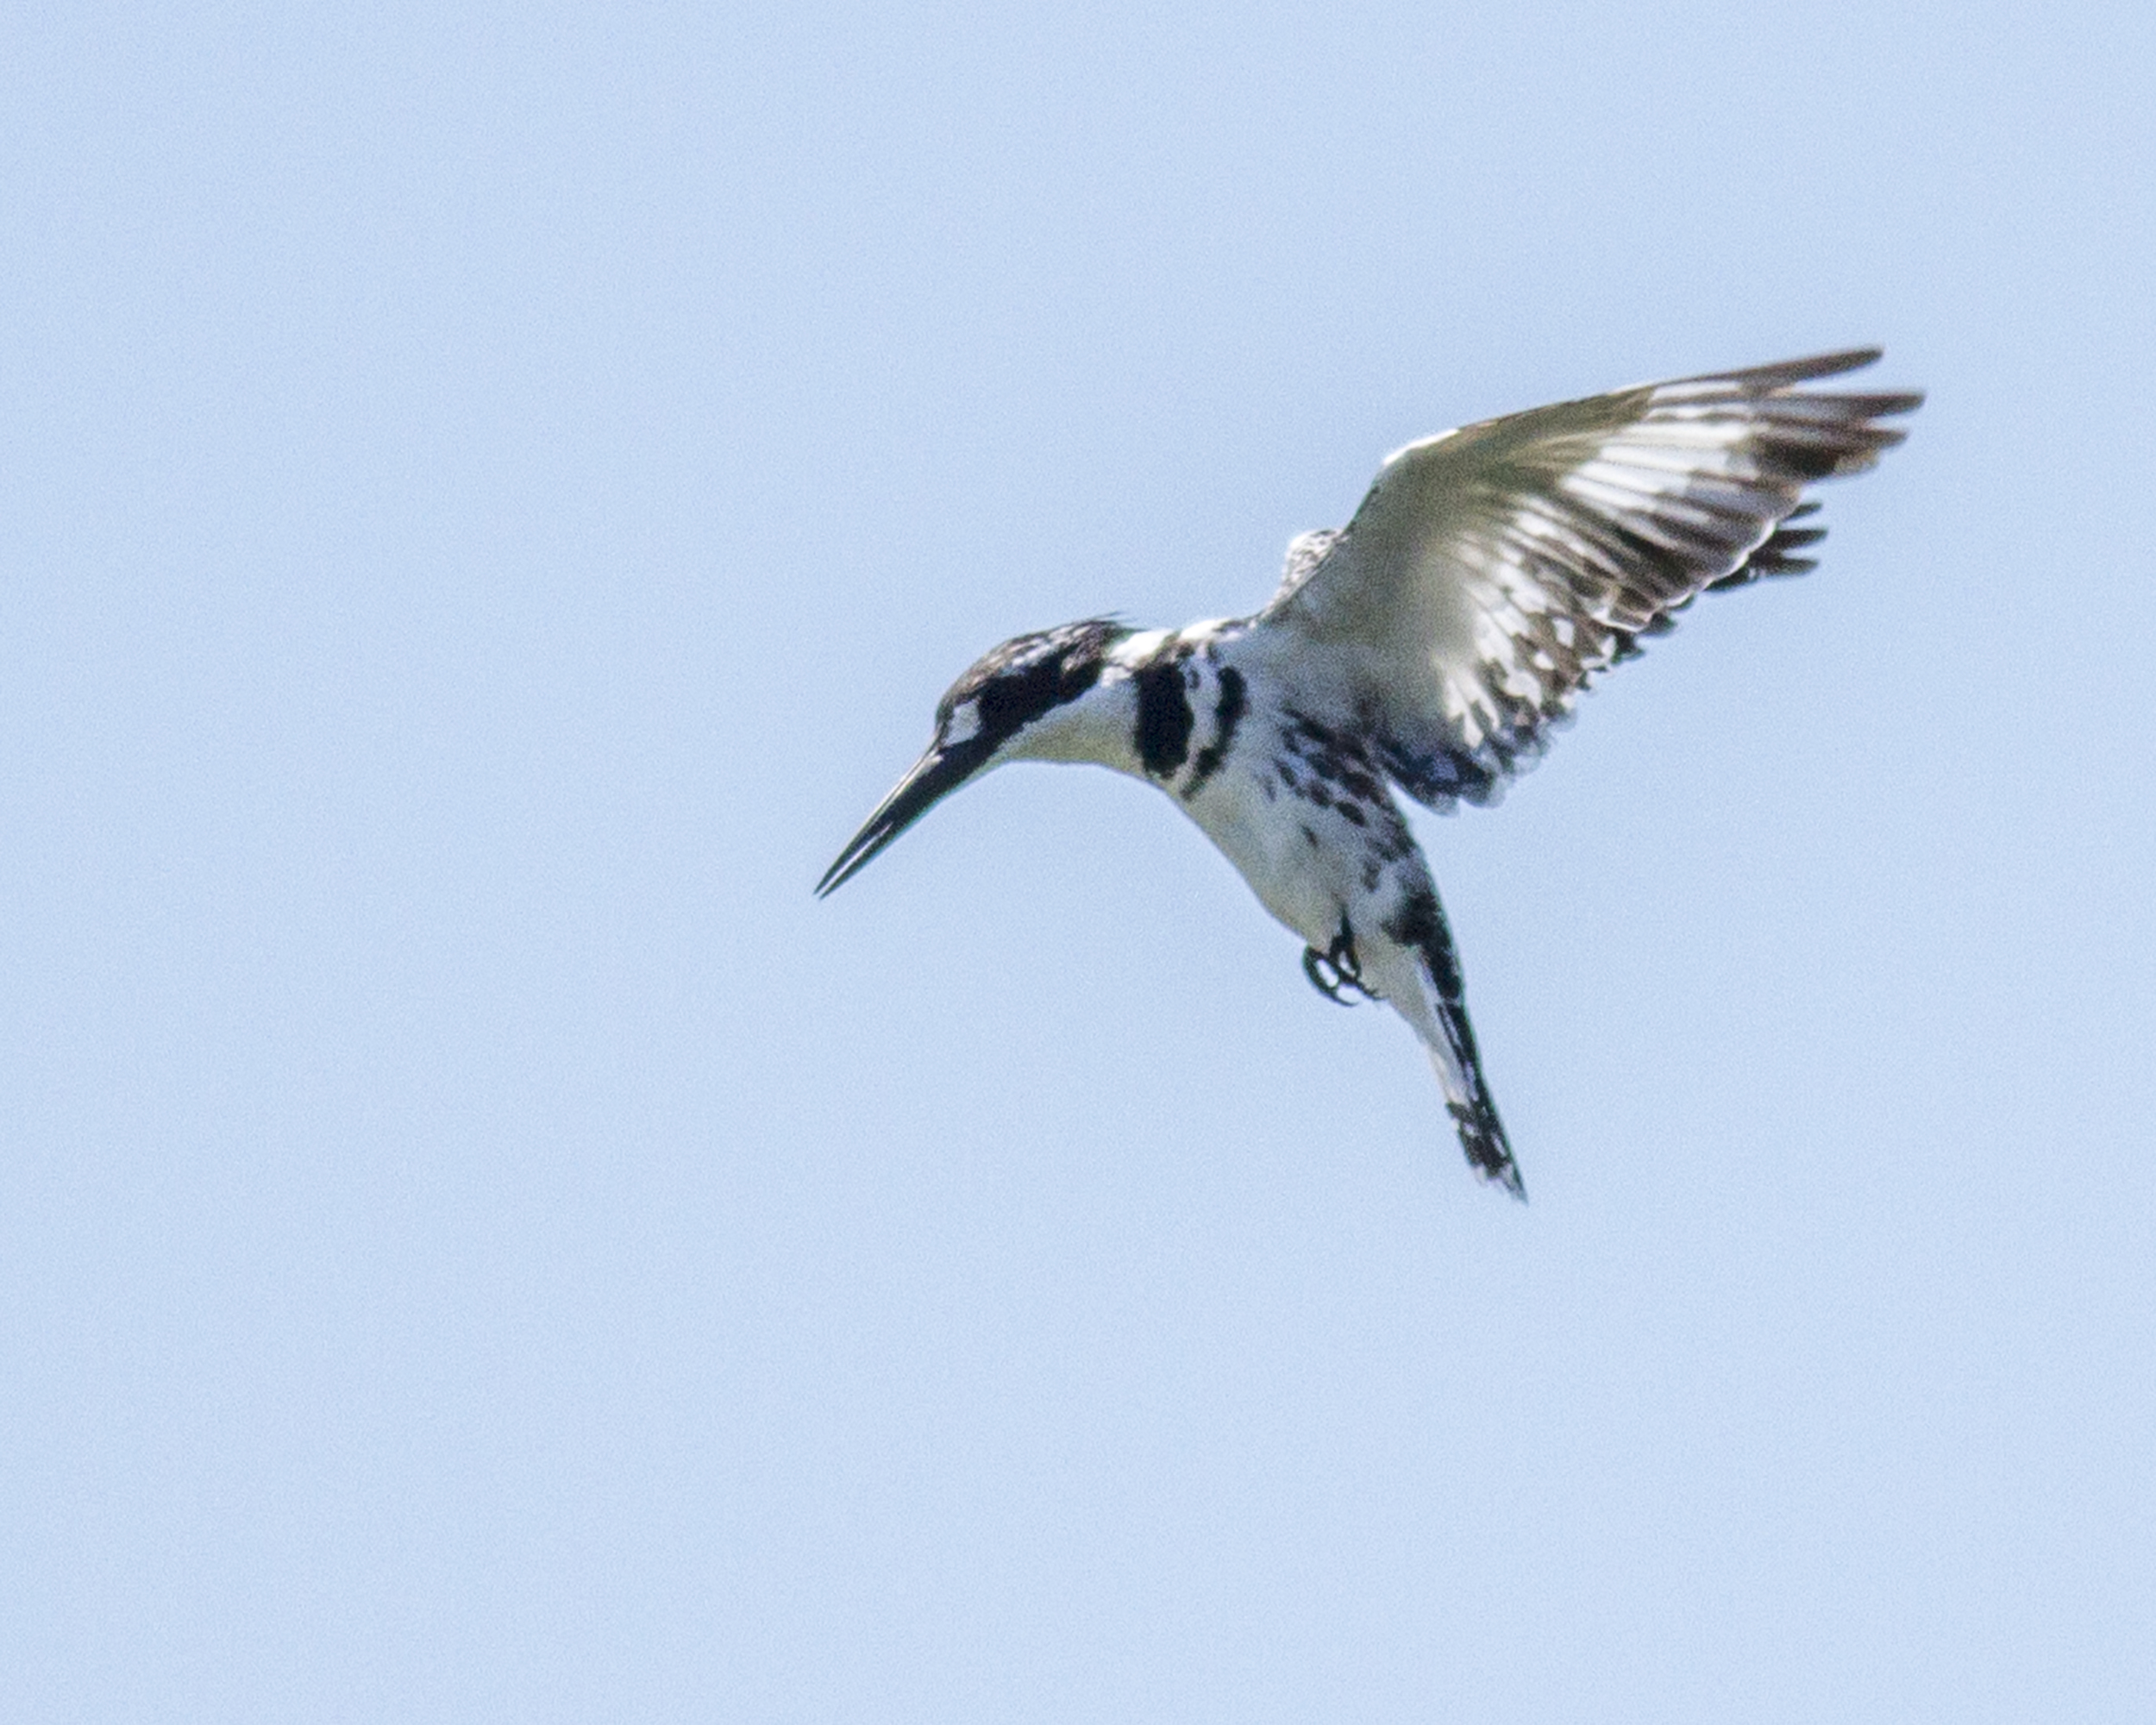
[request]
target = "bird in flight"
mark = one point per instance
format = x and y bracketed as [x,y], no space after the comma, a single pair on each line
[1428,646]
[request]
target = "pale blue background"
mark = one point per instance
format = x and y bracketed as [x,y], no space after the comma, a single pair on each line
[489,501]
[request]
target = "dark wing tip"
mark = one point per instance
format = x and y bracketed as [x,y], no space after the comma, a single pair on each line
[1887,401]
[1785,374]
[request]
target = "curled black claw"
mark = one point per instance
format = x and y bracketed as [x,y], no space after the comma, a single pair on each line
[1325,977]
[1340,969]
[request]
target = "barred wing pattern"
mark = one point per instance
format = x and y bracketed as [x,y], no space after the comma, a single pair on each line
[1492,572]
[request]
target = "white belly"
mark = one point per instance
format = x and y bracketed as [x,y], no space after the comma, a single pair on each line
[1307,886]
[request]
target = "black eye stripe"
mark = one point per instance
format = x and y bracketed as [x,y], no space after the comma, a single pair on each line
[1028,676]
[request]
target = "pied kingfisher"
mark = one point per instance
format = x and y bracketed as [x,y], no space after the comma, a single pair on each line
[1430,645]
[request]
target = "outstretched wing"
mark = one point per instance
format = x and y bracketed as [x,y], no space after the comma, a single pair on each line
[1491,571]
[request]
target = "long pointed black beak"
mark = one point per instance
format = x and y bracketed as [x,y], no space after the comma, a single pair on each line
[935,775]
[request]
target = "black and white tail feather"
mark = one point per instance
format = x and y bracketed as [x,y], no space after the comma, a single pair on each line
[1489,576]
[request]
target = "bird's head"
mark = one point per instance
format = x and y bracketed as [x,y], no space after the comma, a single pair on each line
[1037,697]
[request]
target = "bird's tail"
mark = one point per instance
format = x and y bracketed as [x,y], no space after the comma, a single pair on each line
[1481,1133]
[1421,926]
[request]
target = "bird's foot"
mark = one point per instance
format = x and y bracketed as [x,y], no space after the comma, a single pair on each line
[1337,970]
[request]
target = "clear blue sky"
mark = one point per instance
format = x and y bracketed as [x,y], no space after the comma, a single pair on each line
[491,494]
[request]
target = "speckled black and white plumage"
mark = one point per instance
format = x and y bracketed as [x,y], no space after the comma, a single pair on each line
[1489,576]
[1303,811]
